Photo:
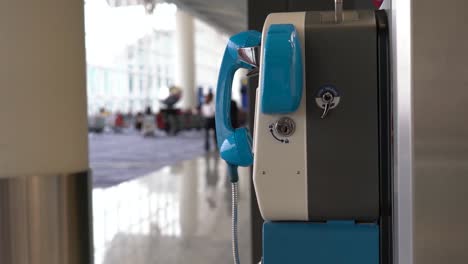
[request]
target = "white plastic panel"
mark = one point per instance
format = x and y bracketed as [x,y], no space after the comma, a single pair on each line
[280,174]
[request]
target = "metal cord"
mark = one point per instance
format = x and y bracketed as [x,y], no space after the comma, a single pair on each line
[235,239]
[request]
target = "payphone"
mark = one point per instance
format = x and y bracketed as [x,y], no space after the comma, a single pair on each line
[321,150]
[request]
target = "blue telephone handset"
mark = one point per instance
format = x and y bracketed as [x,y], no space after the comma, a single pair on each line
[282,73]
[235,145]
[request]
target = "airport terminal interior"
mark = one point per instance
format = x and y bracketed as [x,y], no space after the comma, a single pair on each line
[160,195]
[233,131]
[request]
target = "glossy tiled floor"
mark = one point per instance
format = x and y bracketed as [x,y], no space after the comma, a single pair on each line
[178,214]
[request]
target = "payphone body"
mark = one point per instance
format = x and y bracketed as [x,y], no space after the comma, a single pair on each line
[321,149]
[332,171]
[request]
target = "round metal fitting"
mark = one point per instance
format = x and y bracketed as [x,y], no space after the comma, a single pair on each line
[285,126]
[328,98]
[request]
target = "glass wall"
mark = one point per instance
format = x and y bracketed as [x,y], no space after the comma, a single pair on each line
[131,55]
[139,75]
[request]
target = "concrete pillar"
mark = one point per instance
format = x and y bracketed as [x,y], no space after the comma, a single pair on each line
[440,131]
[185,58]
[44,190]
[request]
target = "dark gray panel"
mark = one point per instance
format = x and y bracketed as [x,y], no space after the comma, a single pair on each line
[318,5]
[321,5]
[364,4]
[258,10]
[342,152]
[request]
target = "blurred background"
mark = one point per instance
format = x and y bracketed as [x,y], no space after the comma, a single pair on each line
[160,191]
[136,79]
[143,97]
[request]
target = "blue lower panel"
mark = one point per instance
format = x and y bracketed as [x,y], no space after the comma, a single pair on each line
[320,243]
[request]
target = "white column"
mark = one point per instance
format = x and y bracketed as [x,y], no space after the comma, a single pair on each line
[44,187]
[185,58]
[42,88]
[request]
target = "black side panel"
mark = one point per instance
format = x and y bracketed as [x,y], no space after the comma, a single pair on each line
[343,148]
[385,139]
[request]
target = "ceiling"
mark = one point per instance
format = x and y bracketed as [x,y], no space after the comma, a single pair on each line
[229,16]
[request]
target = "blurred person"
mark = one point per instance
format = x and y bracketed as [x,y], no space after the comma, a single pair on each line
[175,94]
[208,113]
[244,95]
[98,122]
[210,93]
[200,98]
[139,121]
[234,114]
[119,122]
[128,119]
[160,123]
[149,123]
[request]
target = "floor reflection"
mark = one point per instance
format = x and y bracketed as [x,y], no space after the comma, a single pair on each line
[178,214]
